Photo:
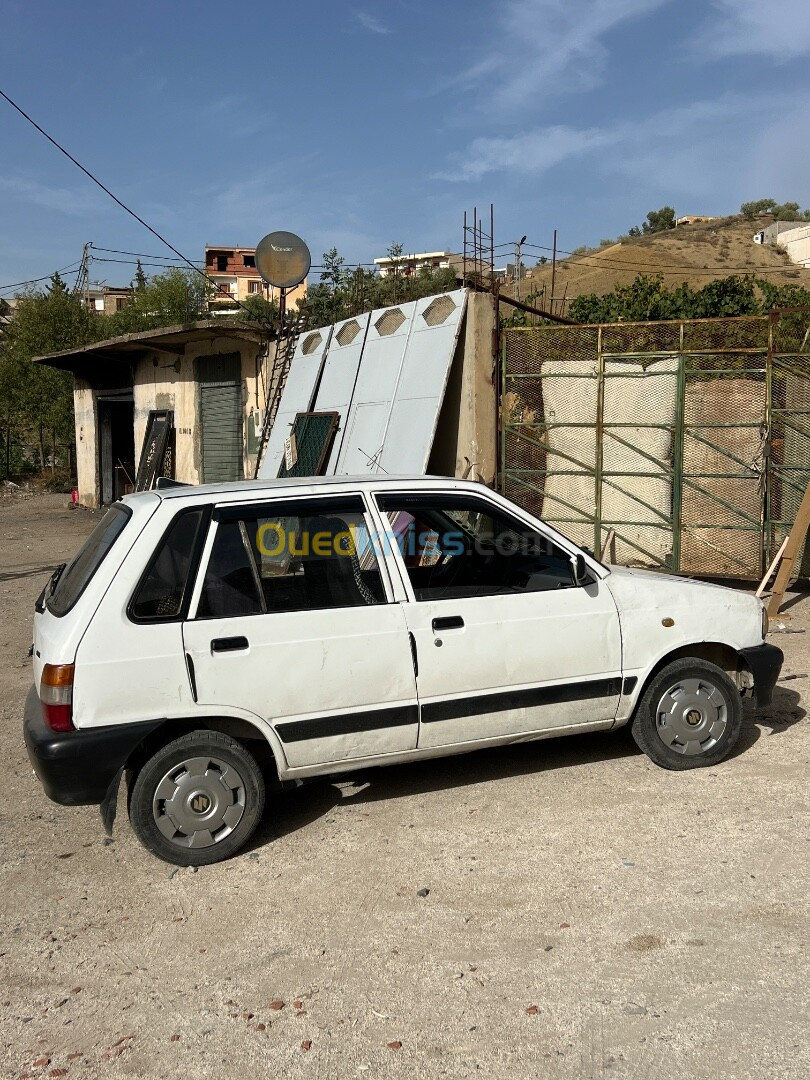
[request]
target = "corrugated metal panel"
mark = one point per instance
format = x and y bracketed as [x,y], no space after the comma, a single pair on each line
[299,392]
[340,374]
[220,379]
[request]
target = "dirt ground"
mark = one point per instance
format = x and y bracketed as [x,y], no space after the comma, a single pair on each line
[588,914]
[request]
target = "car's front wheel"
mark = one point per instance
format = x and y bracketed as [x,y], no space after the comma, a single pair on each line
[198,799]
[689,716]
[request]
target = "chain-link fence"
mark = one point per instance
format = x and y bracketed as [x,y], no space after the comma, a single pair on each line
[685,444]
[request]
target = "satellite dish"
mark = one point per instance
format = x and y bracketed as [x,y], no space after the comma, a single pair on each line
[283,259]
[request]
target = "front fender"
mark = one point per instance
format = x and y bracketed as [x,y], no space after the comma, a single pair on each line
[764,662]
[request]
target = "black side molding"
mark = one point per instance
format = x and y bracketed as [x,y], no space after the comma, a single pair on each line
[328,726]
[454,708]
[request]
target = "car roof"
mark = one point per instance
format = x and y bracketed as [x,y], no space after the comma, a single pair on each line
[238,490]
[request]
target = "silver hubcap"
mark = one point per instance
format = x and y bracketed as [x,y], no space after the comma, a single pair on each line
[691,717]
[199,802]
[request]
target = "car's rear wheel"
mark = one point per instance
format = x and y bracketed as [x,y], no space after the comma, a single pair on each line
[198,799]
[689,716]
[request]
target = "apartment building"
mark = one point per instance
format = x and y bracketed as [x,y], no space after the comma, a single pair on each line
[233,270]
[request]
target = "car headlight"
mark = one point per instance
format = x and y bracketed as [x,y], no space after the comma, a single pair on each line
[765,622]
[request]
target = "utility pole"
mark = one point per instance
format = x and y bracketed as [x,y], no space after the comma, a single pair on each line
[82,283]
[518,247]
[553,271]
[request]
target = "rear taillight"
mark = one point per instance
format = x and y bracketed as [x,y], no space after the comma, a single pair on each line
[56,696]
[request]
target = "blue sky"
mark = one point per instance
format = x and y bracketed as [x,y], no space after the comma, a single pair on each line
[359,125]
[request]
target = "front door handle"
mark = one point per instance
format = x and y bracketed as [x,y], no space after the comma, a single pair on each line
[449,622]
[229,644]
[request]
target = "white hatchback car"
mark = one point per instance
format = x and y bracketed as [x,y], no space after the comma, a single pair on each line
[205,639]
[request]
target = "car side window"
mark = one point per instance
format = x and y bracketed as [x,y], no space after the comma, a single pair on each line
[460,546]
[302,555]
[166,584]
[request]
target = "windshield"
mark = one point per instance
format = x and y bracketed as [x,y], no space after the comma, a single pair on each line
[78,574]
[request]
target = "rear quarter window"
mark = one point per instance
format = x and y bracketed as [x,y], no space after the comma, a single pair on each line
[79,573]
[163,591]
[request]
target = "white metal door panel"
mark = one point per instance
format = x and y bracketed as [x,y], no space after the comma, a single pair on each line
[521,663]
[299,390]
[377,379]
[334,684]
[339,376]
[418,398]
[363,439]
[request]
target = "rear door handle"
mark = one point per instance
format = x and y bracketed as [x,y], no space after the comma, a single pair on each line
[449,622]
[229,644]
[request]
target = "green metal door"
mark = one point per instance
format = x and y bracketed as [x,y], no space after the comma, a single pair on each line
[220,382]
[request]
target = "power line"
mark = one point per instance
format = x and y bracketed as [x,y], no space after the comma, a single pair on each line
[45,277]
[115,198]
[137,254]
[130,262]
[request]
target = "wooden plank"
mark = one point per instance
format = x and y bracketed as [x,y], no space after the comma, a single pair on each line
[771,568]
[791,553]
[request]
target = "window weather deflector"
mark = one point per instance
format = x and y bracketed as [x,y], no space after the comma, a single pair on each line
[50,585]
[164,482]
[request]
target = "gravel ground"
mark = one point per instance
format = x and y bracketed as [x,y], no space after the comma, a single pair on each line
[587,913]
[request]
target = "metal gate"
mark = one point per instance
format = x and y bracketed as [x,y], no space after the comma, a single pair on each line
[221,409]
[686,443]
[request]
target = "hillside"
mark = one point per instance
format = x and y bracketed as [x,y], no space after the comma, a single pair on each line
[696,254]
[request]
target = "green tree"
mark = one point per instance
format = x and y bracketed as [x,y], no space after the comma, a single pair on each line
[787,211]
[139,284]
[647,298]
[751,210]
[176,296]
[37,401]
[342,293]
[659,220]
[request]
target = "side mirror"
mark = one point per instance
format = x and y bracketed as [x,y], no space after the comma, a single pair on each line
[581,575]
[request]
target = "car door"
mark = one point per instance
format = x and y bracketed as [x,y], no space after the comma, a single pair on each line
[293,621]
[506,641]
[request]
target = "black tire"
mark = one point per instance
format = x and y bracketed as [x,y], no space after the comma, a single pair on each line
[203,778]
[689,716]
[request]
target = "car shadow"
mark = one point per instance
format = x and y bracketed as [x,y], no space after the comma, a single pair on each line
[784,711]
[289,811]
[26,572]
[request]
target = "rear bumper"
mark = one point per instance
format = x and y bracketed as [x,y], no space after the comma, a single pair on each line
[764,662]
[76,768]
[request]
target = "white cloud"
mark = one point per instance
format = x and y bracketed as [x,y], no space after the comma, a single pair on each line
[549,45]
[76,202]
[700,148]
[779,29]
[530,152]
[371,23]
[237,116]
